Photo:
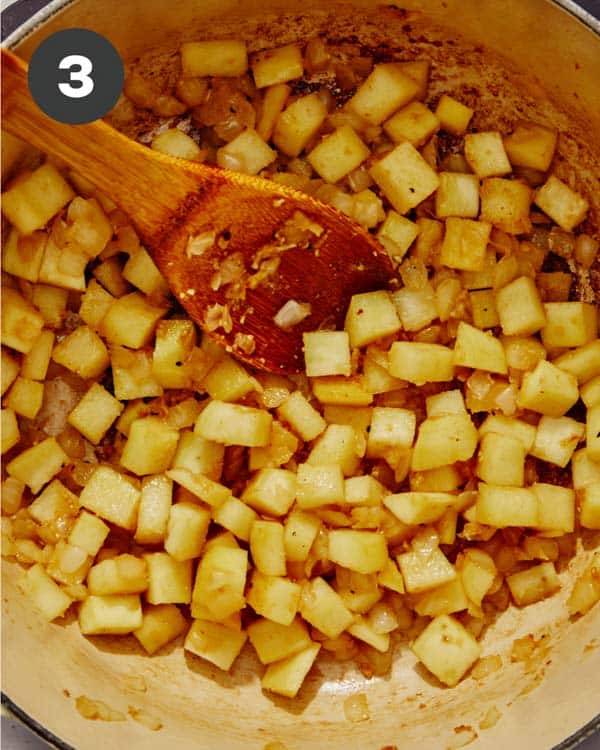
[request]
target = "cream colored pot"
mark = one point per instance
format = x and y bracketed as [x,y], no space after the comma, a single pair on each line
[518,58]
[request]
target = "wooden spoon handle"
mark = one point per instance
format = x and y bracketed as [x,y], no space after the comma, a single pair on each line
[146,184]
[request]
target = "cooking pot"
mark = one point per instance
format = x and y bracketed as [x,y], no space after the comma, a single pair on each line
[516,58]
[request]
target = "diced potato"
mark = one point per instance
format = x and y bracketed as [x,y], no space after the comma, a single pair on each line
[278,65]
[531,145]
[226,57]
[169,580]
[83,352]
[478,573]
[391,578]
[505,204]
[585,471]
[123,574]
[446,402]
[236,517]
[396,234]
[440,479]
[590,392]
[37,465]
[361,551]
[298,123]
[150,446]
[556,439]
[302,417]
[89,533]
[421,363]
[175,142]
[266,547]
[556,507]
[326,353]
[63,267]
[479,350]
[141,271]
[454,116]
[465,243]
[110,615]
[111,496]
[339,444]
[131,321]
[592,433]
[161,624]
[274,100]
[358,417]
[35,199]
[548,390]
[25,397]
[483,307]
[21,322]
[285,677]
[319,485]
[414,123]
[444,440]
[501,460]
[534,584]
[370,316]
[485,154]
[186,530]
[418,70]
[341,391]
[110,274]
[362,630]
[95,413]
[385,90]
[583,362]
[300,531]
[323,608]
[563,205]
[506,506]
[520,308]
[55,503]
[95,303]
[569,324]
[220,581]
[404,177]
[246,153]
[233,424]
[199,456]
[9,369]
[447,649]
[45,595]
[214,642]
[359,592]
[338,154]
[273,597]
[22,254]
[51,302]
[457,195]
[271,491]
[132,374]
[391,429]
[68,564]
[35,363]
[511,427]
[586,591]
[589,515]
[443,600]
[274,642]
[414,508]
[229,381]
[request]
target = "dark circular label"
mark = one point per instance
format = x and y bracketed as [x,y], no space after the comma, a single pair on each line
[76,76]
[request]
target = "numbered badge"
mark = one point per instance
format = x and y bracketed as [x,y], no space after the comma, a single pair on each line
[76,76]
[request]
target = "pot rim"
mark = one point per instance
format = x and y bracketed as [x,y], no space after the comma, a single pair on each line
[14,30]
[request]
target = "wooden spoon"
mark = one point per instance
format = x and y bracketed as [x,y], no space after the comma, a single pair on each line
[171,201]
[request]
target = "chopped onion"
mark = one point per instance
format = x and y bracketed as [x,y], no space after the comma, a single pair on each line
[218,316]
[586,250]
[200,243]
[292,313]
[245,342]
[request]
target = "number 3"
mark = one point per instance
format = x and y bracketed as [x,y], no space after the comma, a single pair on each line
[81,76]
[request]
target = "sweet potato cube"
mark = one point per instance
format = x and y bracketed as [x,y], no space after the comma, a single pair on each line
[556,507]
[362,551]
[319,485]
[174,142]
[9,369]
[386,89]
[277,65]
[246,153]
[35,363]
[267,548]
[447,649]
[274,100]
[414,123]
[501,460]
[236,517]
[592,433]
[485,154]
[229,381]
[483,307]
[25,397]
[444,440]
[300,531]
[391,428]
[404,177]
[131,321]
[562,204]
[123,574]
[422,571]
[89,533]
[95,303]
[370,316]
[414,508]
[150,446]
[341,391]
[418,70]
[339,444]
[271,491]
[556,439]
[186,530]
[220,581]
[22,254]
[396,234]
[233,424]
[95,413]
[132,374]
[590,392]
[589,515]
[583,362]
[302,417]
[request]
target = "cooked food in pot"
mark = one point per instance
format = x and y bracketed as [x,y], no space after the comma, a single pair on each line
[437,462]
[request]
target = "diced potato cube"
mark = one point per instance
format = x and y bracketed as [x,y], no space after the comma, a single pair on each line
[416,308]
[271,491]
[83,352]
[483,307]
[404,177]
[586,591]
[229,381]
[45,595]
[391,429]
[274,100]
[274,642]
[391,578]
[132,374]
[414,508]
[175,142]
[169,580]
[199,456]
[236,517]
[556,439]
[246,153]
[111,496]
[444,440]
[110,274]
[298,123]
[590,392]
[36,198]
[175,341]
[95,303]
[465,243]
[479,350]
[319,485]
[9,369]
[302,417]
[110,615]
[447,649]
[95,413]
[592,433]
[424,571]
[51,302]
[227,57]
[214,642]
[327,353]
[358,417]
[186,530]
[584,470]
[362,630]
[37,465]
[548,390]
[556,507]
[485,154]
[21,322]
[396,234]
[266,547]
[141,271]
[273,597]
[478,573]
[414,123]
[370,316]
[446,402]
[89,533]
[386,89]
[589,515]
[457,195]
[54,503]
[531,145]
[506,506]
[531,585]
[421,363]
[338,154]
[300,531]
[25,397]
[64,267]
[361,551]
[523,353]
[323,608]
[563,205]
[501,460]
[418,70]
[505,204]
[22,254]
[131,321]
[440,479]
[220,581]
[35,362]
[278,65]
[123,574]
[520,308]
[233,424]
[443,600]
[341,391]
[161,624]
[583,362]
[285,677]
[454,116]
[150,446]
[569,324]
